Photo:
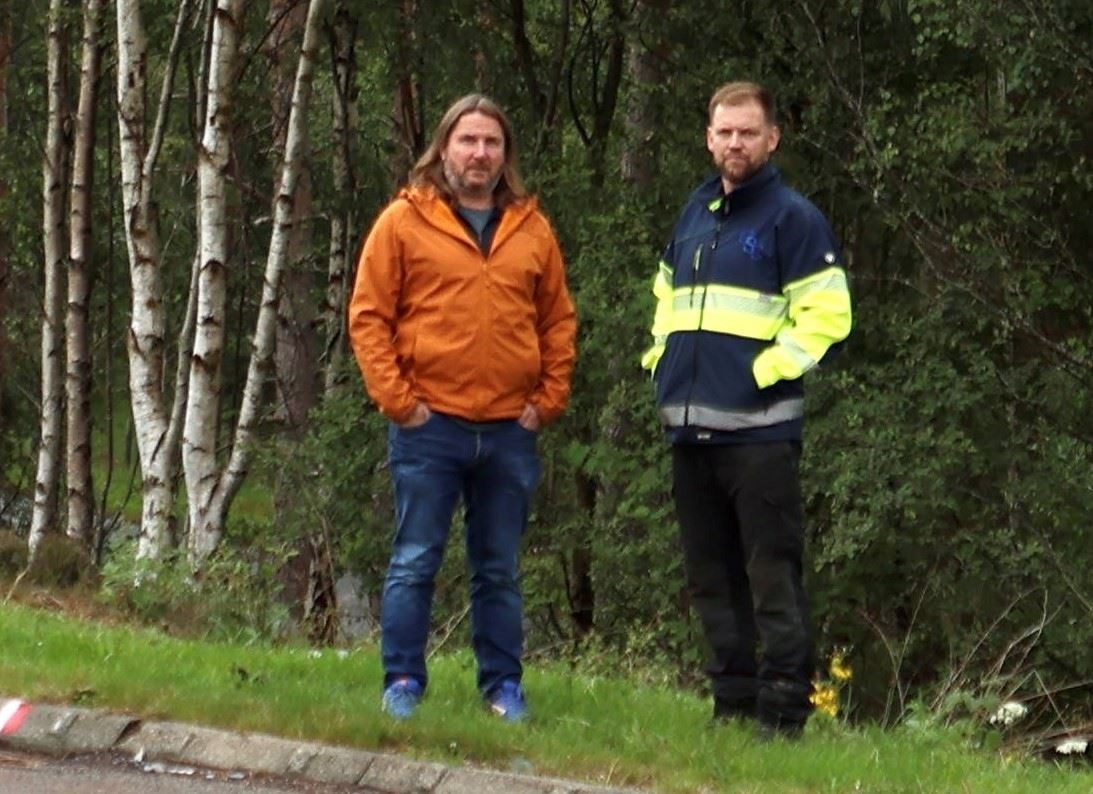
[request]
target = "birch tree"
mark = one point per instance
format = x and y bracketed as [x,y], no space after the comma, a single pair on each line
[54,181]
[81,499]
[342,33]
[199,439]
[211,490]
[157,429]
[297,354]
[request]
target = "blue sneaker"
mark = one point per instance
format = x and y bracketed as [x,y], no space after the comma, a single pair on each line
[401,697]
[507,701]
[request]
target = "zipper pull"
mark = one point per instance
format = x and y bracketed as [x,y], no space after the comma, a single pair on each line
[696,263]
[723,210]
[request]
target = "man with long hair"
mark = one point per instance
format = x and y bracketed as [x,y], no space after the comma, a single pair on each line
[464,331]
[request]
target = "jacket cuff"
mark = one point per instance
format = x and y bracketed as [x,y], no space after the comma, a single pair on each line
[764,372]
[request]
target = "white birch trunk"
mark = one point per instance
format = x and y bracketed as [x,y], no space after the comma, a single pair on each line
[81,499]
[158,437]
[199,433]
[296,354]
[54,181]
[341,217]
[211,496]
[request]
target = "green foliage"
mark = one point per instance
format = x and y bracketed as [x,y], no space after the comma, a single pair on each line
[334,488]
[948,452]
[59,562]
[13,554]
[945,451]
[937,510]
[337,475]
[234,599]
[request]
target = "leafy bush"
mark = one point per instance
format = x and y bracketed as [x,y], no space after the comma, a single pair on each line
[235,598]
[13,554]
[59,562]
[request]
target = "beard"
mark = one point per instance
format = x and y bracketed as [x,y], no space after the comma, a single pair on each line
[738,169]
[458,182]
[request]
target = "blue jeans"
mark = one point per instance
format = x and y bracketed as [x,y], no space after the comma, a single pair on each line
[494,467]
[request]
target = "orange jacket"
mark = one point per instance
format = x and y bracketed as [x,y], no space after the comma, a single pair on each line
[434,320]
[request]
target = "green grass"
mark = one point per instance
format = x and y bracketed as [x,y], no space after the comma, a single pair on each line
[596,729]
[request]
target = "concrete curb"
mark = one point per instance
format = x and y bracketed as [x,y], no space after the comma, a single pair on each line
[62,730]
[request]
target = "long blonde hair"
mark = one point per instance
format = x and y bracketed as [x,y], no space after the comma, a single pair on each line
[429,169]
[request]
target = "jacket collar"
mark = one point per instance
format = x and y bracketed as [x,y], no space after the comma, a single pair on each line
[712,192]
[439,213]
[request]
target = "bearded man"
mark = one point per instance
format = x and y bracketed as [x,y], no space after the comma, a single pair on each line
[464,331]
[751,294]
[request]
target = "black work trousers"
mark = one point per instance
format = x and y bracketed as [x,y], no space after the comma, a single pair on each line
[742,527]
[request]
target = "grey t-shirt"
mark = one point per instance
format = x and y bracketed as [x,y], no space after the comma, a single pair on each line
[482,222]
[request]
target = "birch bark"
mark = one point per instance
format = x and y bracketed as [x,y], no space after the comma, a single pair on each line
[342,38]
[81,499]
[158,431]
[54,181]
[297,346]
[210,491]
[199,432]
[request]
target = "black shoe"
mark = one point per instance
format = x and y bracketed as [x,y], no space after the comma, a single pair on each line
[740,711]
[786,731]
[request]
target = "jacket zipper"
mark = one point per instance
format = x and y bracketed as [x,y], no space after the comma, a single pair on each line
[696,267]
[696,263]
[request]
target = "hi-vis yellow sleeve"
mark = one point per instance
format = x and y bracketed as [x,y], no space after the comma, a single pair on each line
[819,316]
[662,317]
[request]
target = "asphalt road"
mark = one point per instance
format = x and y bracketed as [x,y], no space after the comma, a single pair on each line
[116,774]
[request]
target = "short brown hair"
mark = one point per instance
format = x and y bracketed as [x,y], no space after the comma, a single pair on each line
[740,92]
[429,169]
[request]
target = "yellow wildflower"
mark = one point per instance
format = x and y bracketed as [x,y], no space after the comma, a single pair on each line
[840,670]
[825,698]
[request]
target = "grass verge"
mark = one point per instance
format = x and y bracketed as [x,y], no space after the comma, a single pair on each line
[596,729]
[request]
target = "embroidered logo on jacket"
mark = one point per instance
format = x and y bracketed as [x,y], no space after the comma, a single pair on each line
[750,245]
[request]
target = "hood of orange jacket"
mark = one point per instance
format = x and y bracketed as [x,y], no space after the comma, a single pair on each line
[479,336]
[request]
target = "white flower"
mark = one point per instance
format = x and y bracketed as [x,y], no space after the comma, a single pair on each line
[1008,713]
[1072,747]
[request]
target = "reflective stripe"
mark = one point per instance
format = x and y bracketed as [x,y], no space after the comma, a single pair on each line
[785,360]
[833,279]
[759,304]
[720,419]
[662,317]
[725,310]
[794,351]
[819,315]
